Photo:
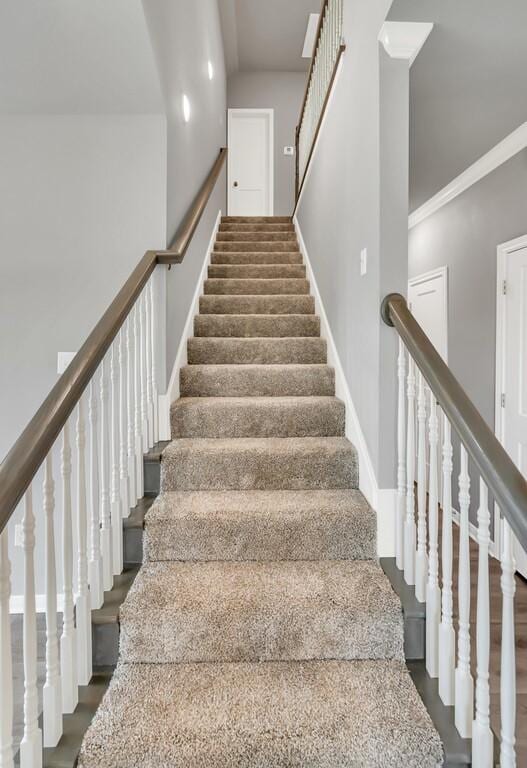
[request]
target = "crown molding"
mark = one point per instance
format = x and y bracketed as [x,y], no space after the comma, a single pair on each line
[507,148]
[404,39]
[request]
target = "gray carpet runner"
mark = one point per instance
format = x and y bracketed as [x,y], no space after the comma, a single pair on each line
[261,631]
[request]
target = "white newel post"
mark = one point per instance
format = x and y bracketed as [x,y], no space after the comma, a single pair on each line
[508,653]
[421,561]
[123,426]
[482,736]
[31,744]
[106,526]
[433,593]
[155,393]
[6,661]
[116,515]
[68,640]
[95,572]
[401,458]
[409,525]
[82,597]
[52,693]
[130,421]
[446,628]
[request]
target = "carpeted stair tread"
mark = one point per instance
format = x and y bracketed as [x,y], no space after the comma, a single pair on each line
[260,611]
[268,351]
[315,714]
[290,463]
[231,417]
[246,326]
[256,286]
[271,257]
[269,271]
[255,245]
[257,381]
[247,236]
[257,305]
[260,525]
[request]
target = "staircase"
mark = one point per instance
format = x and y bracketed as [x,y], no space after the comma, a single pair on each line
[260,630]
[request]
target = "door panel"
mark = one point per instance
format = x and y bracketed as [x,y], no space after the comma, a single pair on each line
[250,163]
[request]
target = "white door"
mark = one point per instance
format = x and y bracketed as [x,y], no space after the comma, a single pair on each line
[513,279]
[250,162]
[427,300]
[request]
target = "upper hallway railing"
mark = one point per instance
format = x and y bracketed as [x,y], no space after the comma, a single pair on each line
[112,380]
[327,50]
[426,381]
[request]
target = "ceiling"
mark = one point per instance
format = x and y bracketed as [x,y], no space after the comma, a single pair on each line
[468,86]
[265,35]
[76,56]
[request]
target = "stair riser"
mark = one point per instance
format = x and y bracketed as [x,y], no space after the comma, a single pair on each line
[225,420]
[298,304]
[256,381]
[268,237]
[256,351]
[256,287]
[248,271]
[245,246]
[257,228]
[256,470]
[279,257]
[244,326]
[256,220]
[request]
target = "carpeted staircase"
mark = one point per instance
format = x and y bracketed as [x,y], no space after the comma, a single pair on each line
[261,631]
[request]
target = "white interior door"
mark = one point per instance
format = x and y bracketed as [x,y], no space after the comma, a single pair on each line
[513,278]
[250,162]
[428,303]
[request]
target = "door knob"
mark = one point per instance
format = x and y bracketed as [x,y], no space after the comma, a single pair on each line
[235,184]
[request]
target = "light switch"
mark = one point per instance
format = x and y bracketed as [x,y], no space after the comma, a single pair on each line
[289,150]
[63,360]
[363,261]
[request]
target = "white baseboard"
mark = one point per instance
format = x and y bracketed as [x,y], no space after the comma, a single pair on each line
[166,400]
[382,500]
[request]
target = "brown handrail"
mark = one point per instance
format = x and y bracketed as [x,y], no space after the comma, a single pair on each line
[29,451]
[499,472]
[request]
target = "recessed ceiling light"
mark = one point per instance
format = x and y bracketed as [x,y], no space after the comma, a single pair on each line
[210,69]
[311,33]
[186,108]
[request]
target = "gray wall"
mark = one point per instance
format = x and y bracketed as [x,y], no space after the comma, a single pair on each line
[185,36]
[283,92]
[341,212]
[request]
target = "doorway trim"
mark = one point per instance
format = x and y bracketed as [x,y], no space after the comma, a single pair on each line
[503,252]
[425,277]
[248,112]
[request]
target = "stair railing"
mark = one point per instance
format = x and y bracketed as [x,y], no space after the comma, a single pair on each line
[327,51]
[428,392]
[102,414]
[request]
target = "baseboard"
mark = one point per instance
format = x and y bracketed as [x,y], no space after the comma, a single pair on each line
[382,500]
[166,400]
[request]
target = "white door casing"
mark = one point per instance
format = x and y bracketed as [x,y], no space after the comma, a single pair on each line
[511,359]
[251,162]
[428,302]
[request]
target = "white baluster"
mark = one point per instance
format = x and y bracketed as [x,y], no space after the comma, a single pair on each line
[143,376]
[482,736]
[31,744]
[52,693]
[95,572]
[433,593]
[421,560]
[6,662]
[446,628]
[106,526]
[130,401]
[116,516]
[464,693]
[508,653]
[148,360]
[123,427]
[137,406]
[68,640]
[82,596]
[409,525]
[155,394]
[401,458]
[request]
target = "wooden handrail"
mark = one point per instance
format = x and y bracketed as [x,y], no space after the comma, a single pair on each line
[29,451]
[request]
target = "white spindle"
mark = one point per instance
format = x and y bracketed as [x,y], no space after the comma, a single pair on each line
[446,628]
[401,459]
[52,693]
[409,525]
[482,736]
[433,593]
[95,573]
[142,368]
[68,640]
[137,406]
[464,685]
[6,661]
[508,653]
[31,744]
[421,560]
[148,359]
[123,427]
[130,401]
[116,516]
[106,527]
[82,596]
[155,394]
